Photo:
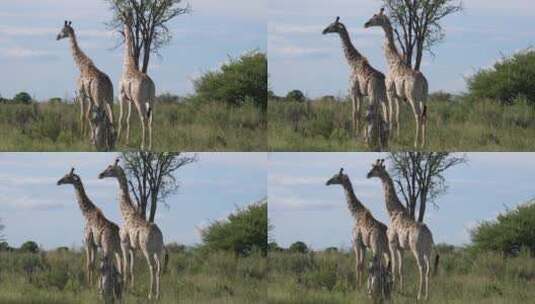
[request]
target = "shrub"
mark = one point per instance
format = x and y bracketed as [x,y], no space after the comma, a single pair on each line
[296,95]
[298,247]
[242,232]
[22,97]
[30,246]
[509,233]
[508,79]
[241,80]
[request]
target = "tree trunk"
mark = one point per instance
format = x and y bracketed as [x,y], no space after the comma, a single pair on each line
[423,204]
[146,56]
[153,205]
[419,55]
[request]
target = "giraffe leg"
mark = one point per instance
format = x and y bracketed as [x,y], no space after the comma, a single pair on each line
[416,112]
[400,267]
[390,118]
[427,275]
[423,122]
[354,114]
[150,131]
[356,250]
[143,130]
[422,270]
[131,252]
[158,273]
[362,263]
[128,116]
[397,101]
[150,262]
[88,264]
[88,118]
[82,112]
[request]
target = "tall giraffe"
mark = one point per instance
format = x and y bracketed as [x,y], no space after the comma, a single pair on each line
[94,86]
[404,233]
[138,233]
[365,81]
[402,82]
[136,87]
[367,231]
[99,231]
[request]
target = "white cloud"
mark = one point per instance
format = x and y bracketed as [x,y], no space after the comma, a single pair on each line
[26,53]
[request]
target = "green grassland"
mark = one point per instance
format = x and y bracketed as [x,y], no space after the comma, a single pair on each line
[54,126]
[329,278]
[192,277]
[464,125]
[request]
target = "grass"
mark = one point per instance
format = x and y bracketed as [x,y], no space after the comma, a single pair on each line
[452,126]
[192,277]
[177,126]
[329,278]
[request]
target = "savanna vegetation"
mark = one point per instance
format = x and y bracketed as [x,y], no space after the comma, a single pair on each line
[224,114]
[208,273]
[498,266]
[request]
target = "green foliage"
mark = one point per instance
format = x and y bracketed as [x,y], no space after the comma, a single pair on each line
[298,247]
[463,125]
[237,82]
[30,246]
[462,278]
[22,97]
[183,126]
[507,80]
[194,276]
[243,232]
[296,95]
[509,233]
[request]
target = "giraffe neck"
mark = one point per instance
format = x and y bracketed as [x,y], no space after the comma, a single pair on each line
[393,205]
[391,51]
[351,53]
[127,208]
[83,201]
[80,58]
[129,60]
[353,203]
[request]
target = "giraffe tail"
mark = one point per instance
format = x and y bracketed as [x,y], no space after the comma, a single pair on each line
[149,109]
[424,113]
[435,266]
[165,259]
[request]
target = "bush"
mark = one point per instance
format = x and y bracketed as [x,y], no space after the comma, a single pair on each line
[296,95]
[242,232]
[298,247]
[507,80]
[509,233]
[30,247]
[22,97]
[239,81]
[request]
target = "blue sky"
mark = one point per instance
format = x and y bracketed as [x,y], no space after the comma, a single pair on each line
[301,58]
[33,207]
[32,60]
[302,208]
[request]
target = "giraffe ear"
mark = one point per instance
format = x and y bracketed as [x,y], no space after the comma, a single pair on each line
[72,170]
[337,19]
[117,161]
[382,11]
[341,171]
[66,22]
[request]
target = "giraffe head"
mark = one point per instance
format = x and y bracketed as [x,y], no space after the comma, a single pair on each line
[112,170]
[69,178]
[379,19]
[338,179]
[334,27]
[66,31]
[378,169]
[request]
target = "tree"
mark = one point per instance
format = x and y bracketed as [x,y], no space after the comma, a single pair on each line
[420,177]
[509,233]
[22,97]
[417,25]
[296,95]
[30,246]
[509,79]
[239,80]
[242,232]
[150,24]
[298,247]
[152,177]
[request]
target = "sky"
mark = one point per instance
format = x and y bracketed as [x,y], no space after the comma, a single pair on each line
[301,58]
[33,207]
[302,208]
[32,60]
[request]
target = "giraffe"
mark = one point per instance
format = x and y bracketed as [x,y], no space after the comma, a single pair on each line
[99,231]
[138,233]
[404,233]
[135,87]
[365,80]
[402,82]
[367,231]
[95,88]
